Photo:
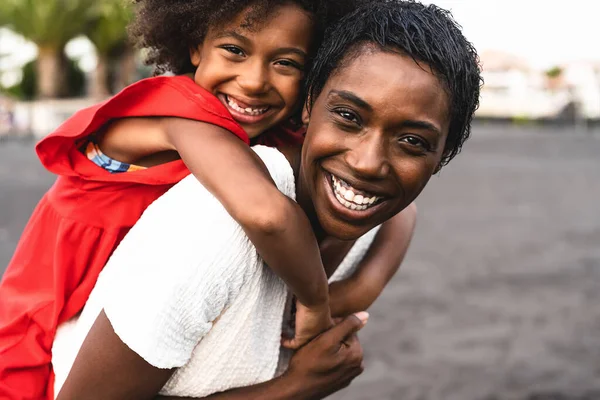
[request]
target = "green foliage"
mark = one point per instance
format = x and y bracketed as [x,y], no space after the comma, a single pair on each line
[554,72]
[47,23]
[107,26]
[50,24]
[522,120]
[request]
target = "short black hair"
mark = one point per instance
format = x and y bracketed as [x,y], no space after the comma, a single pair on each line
[167,29]
[426,33]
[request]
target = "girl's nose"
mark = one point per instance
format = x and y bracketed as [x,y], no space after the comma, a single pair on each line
[254,79]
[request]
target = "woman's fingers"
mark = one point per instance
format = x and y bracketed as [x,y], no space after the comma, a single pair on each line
[344,332]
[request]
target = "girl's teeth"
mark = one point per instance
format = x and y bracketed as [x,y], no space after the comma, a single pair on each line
[247,110]
[348,199]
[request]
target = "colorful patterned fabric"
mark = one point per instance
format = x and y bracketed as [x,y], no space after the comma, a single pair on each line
[94,154]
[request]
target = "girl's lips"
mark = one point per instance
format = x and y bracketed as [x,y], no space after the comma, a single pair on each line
[243,117]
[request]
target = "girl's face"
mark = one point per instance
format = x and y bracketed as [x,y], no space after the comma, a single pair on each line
[256,72]
[376,135]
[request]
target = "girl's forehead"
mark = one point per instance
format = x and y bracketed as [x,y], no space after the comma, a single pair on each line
[258,16]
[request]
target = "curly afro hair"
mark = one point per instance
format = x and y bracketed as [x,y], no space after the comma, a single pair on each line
[169,28]
[426,33]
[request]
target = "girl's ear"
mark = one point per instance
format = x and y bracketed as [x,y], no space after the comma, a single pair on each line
[196,55]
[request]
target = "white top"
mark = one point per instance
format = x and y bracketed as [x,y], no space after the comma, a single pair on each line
[187,289]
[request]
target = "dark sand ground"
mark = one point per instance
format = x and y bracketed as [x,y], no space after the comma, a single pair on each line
[500,295]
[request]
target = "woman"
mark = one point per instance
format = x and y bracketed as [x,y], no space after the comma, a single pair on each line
[391,97]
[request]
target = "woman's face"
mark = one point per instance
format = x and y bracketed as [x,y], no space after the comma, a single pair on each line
[375,136]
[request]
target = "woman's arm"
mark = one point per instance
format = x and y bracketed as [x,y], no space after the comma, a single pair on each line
[229,169]
[106,368]
[377,268]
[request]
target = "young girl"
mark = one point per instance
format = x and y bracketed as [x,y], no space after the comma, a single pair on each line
[245,65]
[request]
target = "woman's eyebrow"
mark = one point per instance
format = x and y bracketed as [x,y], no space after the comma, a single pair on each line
[351,97]
[415,124]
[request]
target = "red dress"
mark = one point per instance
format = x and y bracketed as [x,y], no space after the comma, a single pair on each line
[79,222]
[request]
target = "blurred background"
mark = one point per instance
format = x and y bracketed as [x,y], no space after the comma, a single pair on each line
[499,296]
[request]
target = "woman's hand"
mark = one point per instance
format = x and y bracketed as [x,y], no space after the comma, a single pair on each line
[329,362]
[322,367]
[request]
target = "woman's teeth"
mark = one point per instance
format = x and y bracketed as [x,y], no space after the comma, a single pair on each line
[247,110]
[347,196]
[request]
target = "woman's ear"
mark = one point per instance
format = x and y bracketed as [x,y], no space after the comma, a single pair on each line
[305,113]
[196,55]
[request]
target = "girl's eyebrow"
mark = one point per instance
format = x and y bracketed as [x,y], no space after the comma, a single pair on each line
[234,35]
[293,50]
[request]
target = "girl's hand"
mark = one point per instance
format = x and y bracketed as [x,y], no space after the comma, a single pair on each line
[309,323]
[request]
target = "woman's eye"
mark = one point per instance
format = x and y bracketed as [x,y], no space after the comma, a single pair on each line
[348,116]
[234,50]
[415,141]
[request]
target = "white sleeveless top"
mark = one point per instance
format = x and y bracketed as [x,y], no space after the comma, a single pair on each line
[186,289]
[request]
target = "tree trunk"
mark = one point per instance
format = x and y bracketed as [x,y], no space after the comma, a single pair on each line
[48,72]
[126,69]
[99,89]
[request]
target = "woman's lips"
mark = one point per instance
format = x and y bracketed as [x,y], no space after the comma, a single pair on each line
[350,209]
[351,197]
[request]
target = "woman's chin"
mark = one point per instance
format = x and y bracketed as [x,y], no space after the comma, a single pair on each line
[342,230]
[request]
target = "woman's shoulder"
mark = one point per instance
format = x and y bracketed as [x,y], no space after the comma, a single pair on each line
[279,168]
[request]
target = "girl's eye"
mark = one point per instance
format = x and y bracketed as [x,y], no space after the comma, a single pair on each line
[416,142]
[290,63]
[233,50]
[348,115]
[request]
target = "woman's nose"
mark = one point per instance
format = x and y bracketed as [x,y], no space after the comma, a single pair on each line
[254,78]
[368,157]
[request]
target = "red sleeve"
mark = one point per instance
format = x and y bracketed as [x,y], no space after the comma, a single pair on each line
[177,96]
[281,136]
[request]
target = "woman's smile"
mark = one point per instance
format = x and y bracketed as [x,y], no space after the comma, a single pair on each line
[349,203]
[351,197]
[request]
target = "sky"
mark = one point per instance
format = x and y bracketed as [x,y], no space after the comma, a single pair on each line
[545,33]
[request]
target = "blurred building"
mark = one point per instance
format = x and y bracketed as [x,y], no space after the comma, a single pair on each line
[513,89]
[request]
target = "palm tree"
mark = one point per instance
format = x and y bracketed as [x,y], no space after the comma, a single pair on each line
[107,30]
[50,24]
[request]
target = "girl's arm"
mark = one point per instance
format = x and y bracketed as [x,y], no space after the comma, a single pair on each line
[105,368]
[231,171]
[377,268]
